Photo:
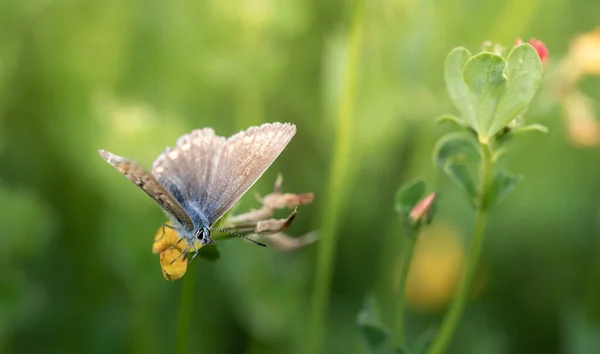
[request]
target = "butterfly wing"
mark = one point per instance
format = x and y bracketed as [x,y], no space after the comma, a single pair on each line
[143,179]
[186,169]
[240,162]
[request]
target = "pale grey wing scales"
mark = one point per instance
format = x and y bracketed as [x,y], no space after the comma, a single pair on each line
[185,169]
[166,169]
[143,179]
[204,145]
[240,162]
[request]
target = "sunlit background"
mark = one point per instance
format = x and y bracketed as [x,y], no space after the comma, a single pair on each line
[77,271]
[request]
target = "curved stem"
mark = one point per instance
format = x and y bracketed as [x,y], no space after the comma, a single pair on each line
[336,190]
[401,300]
[185,311]
[453,316]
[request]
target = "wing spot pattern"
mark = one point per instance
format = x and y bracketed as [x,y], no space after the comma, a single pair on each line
[174,154]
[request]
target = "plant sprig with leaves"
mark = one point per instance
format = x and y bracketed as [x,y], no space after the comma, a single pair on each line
[414,210]
[492,94]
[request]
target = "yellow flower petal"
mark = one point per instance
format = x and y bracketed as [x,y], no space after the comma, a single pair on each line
[165,238]
[169,243]
[173,270]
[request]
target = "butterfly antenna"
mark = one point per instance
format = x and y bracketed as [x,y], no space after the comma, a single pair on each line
[239,235]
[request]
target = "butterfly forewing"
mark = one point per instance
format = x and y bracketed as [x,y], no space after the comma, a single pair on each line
[143,179]
[240,162]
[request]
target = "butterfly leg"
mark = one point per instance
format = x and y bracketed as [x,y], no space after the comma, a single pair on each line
[163,231]
[176,243]
[196,253]
[185,250]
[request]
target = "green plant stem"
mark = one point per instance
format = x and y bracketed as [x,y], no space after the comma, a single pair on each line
[407,255]
[454,313]
[336,189]
[185,310]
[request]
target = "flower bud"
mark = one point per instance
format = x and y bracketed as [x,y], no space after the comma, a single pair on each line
[420,213]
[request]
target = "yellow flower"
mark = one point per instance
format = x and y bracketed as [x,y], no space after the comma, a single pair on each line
[173,270]
[169,244]
[585,52]
[582,126]
[583,59]
[436,269]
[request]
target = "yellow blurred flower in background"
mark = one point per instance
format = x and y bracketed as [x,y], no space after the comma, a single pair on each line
[585,52]
[436,268]
[583,59]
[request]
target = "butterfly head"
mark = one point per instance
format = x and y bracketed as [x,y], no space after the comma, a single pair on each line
[203,235]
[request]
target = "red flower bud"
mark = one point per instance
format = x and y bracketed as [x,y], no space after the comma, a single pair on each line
[421,211]
[541,49]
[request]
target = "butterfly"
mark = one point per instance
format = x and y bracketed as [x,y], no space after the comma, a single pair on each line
[204,175]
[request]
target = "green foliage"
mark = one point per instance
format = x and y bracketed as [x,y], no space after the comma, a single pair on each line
[484,76]
[524,76]
[508,133]
[408,196]
[374,332]
[502,184]
[457,88]
[210,253]
[454,153]
[530,128]
[453,120]
[490,91]
[456,148]
[461,175]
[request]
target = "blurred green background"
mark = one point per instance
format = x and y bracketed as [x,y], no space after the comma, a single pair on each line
[77,274]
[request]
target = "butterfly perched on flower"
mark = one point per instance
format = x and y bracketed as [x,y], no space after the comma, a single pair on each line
[204,175]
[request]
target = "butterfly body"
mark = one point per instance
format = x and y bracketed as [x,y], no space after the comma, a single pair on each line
[201,223]
[204,175]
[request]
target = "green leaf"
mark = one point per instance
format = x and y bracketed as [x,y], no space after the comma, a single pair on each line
[580,330]
[484,76]
[462,177]
[456,147]
[209,252]
[409,195]
[524,75]
[369,321]
[424,340]
[529,128]
[507,134]
[457,88]
[375,336]
[402,350]
[452,119]
[501,186]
